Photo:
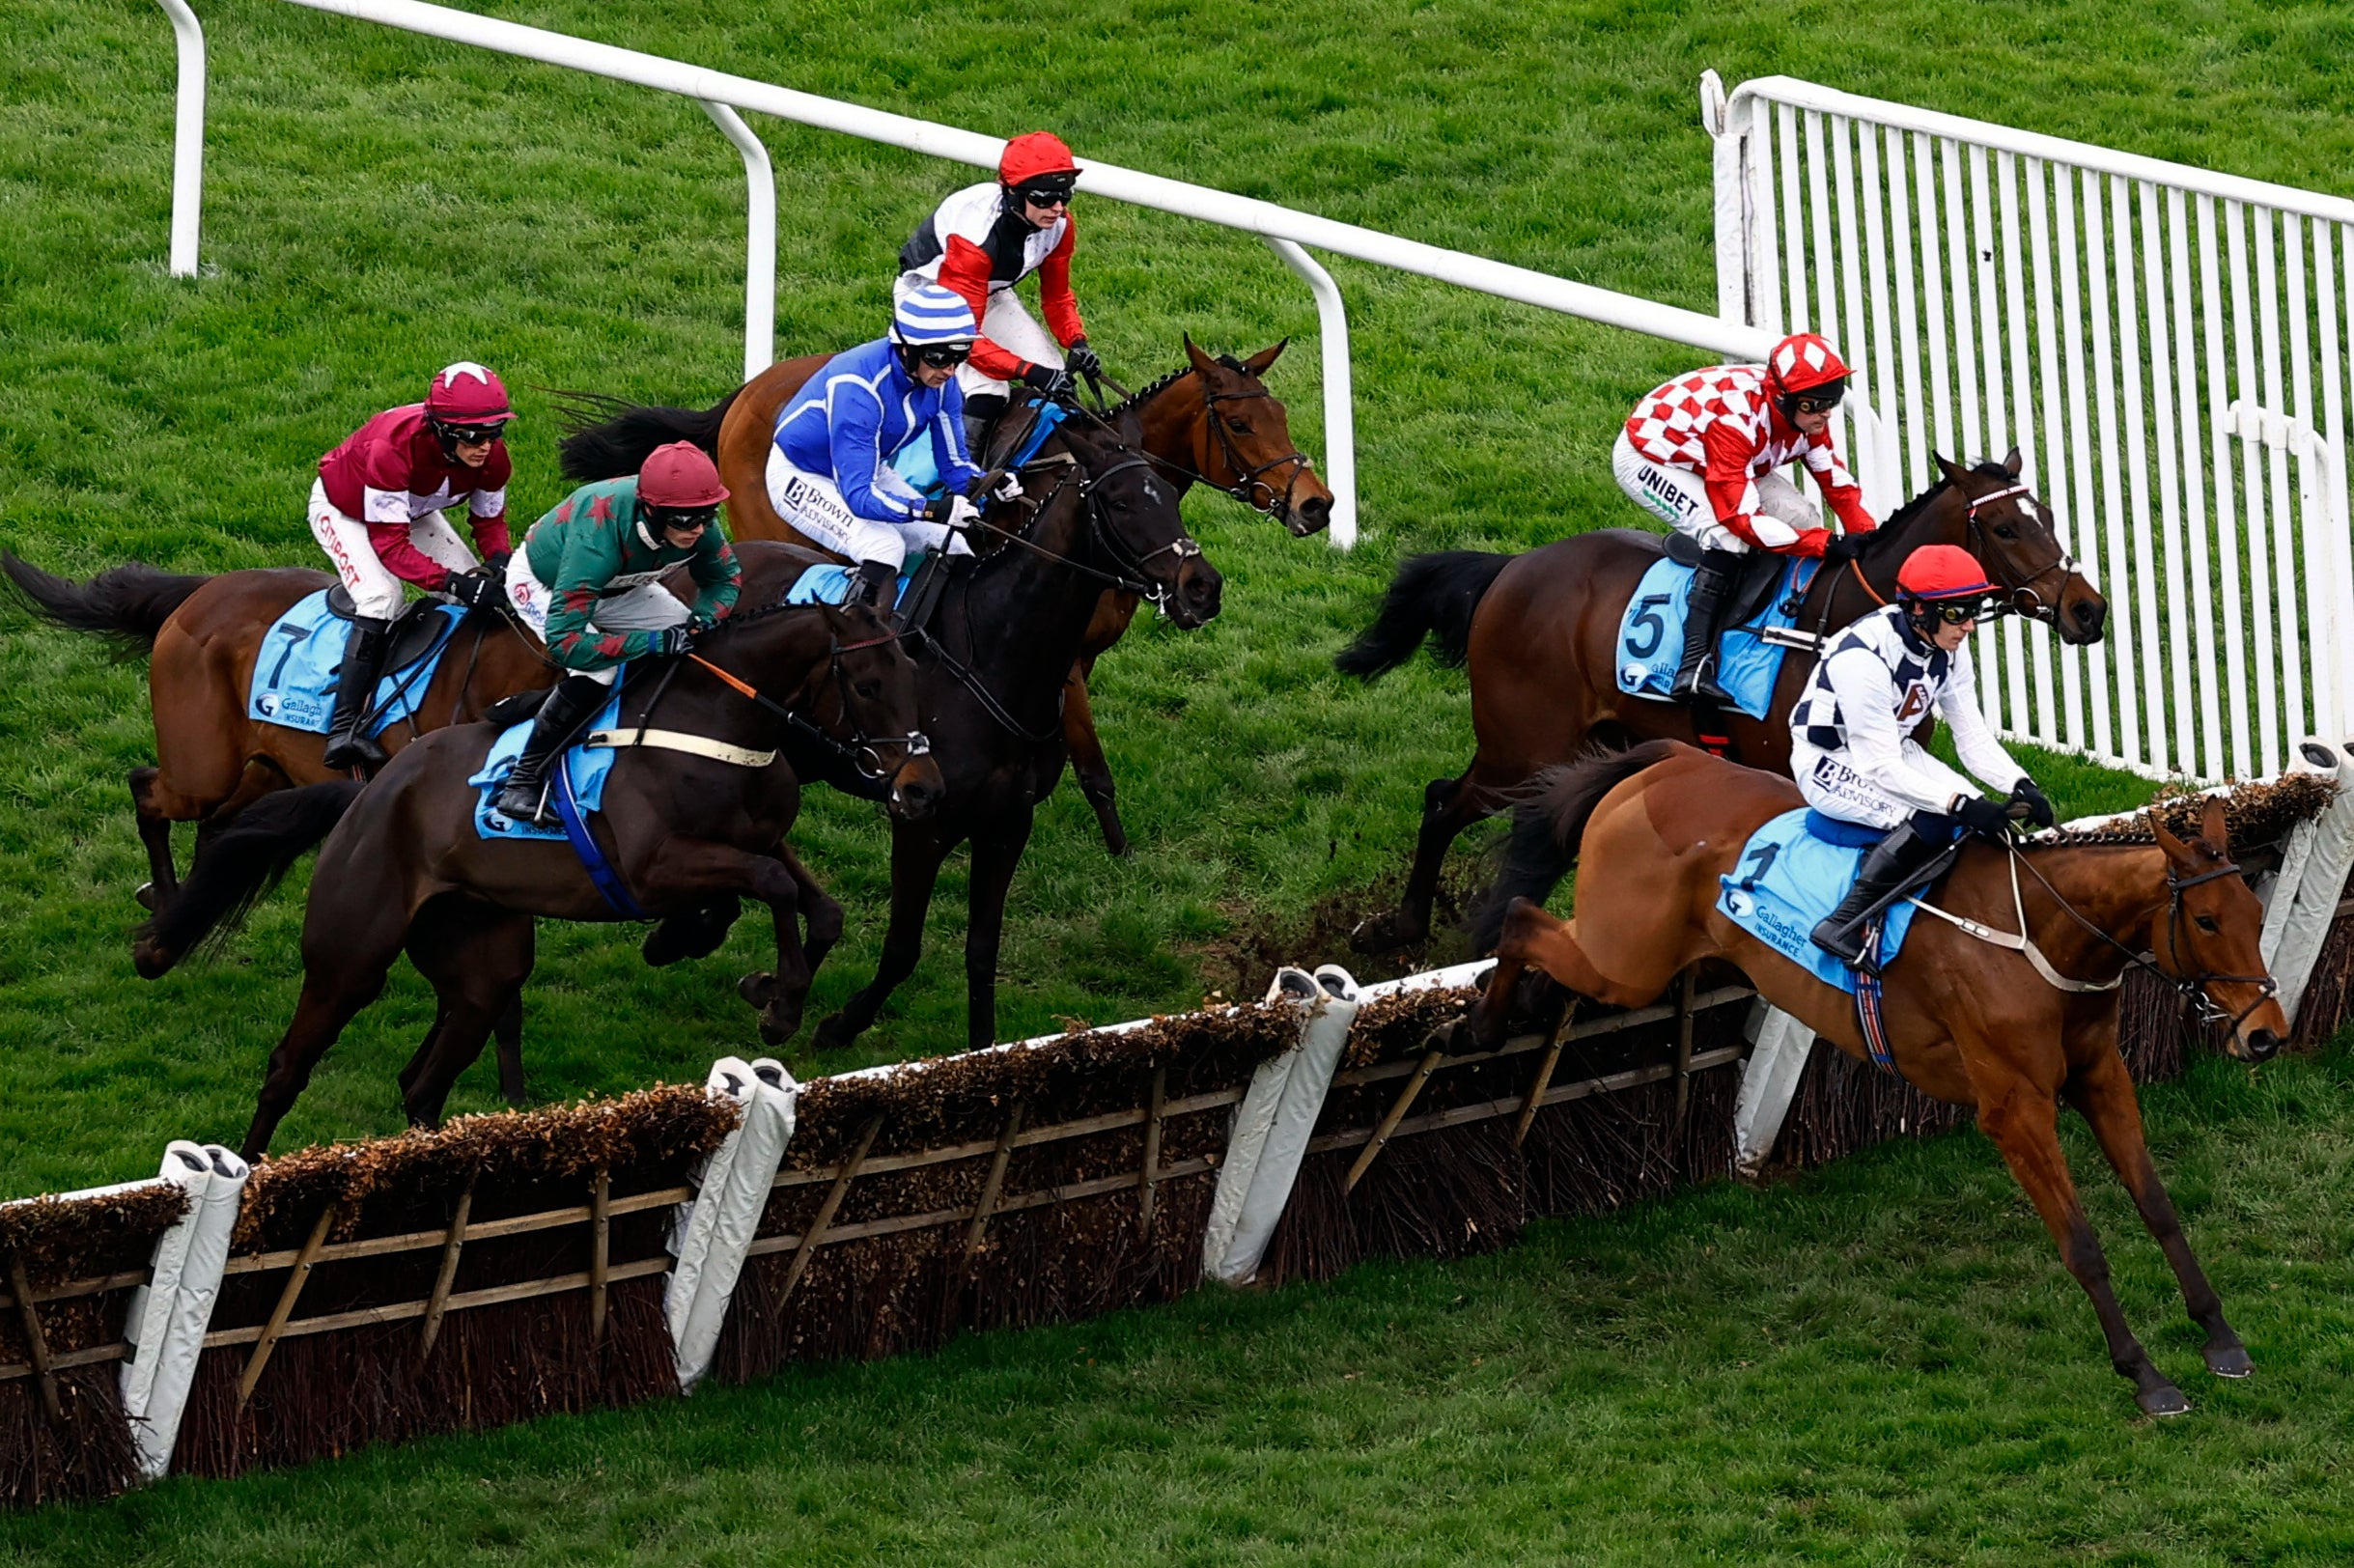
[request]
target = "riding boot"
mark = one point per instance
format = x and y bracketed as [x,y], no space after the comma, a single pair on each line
[1889,865]
[981,413]
[1711,587]
[363,665]
[573,704]
[878,585]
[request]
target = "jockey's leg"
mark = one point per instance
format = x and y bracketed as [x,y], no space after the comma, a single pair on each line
[813,504]
[1713,583]
[376,598]
[1009,327]
[574,701]
[1886,867]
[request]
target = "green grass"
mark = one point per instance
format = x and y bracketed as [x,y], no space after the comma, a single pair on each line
[379,205]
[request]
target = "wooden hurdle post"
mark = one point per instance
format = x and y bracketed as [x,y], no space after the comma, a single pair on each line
[826,1210]
[295,1278]
[439,1303]
[36,1343]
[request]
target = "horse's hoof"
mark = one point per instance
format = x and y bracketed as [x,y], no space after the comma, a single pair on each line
[2229,1361]
[145,896]
[780,1024]
[1384,933]
[832,1033]
[759,990]
[2161,1401]
[153,962]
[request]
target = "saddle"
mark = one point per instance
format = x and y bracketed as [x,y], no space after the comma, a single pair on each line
[1760,573]
[414,630]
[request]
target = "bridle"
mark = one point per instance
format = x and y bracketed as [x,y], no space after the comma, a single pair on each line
[1133,566]
[1246,486]
[860,750]
[2023,599]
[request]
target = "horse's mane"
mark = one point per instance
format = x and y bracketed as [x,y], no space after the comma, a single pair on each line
[1986,467]
[1144,394]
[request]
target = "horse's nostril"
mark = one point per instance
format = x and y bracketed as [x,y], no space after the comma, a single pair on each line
[2262,1045]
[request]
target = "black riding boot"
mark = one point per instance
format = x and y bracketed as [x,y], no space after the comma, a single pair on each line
[573,704]
[1712,585]
[363,665]
[1889,865]
[982,410]
[878,585]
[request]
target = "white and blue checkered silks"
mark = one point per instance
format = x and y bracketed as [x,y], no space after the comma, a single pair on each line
[933,313]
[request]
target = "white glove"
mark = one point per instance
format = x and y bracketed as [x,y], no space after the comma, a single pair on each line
[962,512]
[1009,488]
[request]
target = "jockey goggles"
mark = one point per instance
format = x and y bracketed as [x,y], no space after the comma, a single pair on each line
[942,355]
[685,519]
[1817,400]
[1048,193]
[470,434]
[1955,611]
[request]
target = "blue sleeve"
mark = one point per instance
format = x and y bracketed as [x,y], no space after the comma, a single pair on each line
[853,435]
[957,469]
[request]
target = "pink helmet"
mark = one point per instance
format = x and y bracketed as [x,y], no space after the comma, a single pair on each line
[680,475]
[467,394]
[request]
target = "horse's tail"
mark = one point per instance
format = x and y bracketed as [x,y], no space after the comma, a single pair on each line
[1550,827]
[237,866]
[128,602]
[1433,596]
[606,438]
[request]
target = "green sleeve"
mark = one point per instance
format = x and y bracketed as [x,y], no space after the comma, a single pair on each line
[716,575]
[590,561]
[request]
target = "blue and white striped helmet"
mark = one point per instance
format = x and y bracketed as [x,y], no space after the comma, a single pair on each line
[931,315]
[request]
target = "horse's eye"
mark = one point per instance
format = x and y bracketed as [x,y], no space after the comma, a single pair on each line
[868,689]
[1239,427]
[2006,531]
[2206,923]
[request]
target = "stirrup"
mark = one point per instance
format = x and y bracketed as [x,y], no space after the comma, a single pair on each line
[540,813]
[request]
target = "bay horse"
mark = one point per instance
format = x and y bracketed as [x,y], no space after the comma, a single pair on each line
[405,866]
[203,636]
[1211,421]
[1539,632]
[1969,1022]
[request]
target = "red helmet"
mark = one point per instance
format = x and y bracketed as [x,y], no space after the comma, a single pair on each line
[467,394]
[1804,361]
[1937,572]
[1028,157]
[680,475]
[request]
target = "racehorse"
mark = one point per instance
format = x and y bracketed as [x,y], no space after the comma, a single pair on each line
[685,828]
[1213,421]
[204,636]
[1539,632]
[1972,1015]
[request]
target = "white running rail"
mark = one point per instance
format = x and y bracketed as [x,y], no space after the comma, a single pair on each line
[1283,229]
[2167,346]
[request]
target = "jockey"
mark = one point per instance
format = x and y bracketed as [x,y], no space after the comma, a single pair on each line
[1851,744]
[894,401]
[1699,453]
[587,580]
[377,510]
[982,241]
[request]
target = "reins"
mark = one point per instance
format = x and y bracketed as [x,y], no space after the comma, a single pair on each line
[860,751]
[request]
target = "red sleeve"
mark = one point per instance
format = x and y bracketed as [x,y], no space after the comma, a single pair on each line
[1054,295]
[965,269]
[1726,475]
[490,537]
[403,559]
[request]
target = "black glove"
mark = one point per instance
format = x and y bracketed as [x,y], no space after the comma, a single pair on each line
[497,561]
[1985,818]
[1843,547]
[1055,386]
[2038,805]
[669,641]
[475,590]
[936,510]
[1082,360]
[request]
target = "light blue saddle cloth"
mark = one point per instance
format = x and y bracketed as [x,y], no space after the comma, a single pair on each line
[587,765]
[294,681]
[1789,878]
[830,584]
[1651,640]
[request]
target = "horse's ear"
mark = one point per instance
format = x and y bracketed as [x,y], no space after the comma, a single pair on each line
[2175,848]
[2215,828]
[1949,467]
[2015,462]
[1202,362]
[1257,363]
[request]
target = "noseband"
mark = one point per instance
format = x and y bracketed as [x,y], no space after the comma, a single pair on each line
[2024,598]
[1247,484]
[1133,567]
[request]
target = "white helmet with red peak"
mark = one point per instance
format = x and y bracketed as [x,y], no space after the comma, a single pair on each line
[1804,361]
[467,394]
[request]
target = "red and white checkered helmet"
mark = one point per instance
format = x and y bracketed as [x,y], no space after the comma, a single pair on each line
[467,394]
[1804,361]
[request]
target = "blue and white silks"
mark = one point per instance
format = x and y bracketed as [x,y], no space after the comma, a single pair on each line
[855,420]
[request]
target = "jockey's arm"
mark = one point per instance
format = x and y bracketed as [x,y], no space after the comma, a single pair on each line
[957,470]
[589,562]
[853,436]
[964,271]
[1875,743]
[1056,299]
[1838,486]
[1733,493]
[487,506]
[718,578]
[1973,740]
[389,522]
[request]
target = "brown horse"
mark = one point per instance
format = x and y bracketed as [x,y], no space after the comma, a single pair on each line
[1539,632]
[684,827]
[1214,421]
[1969,1022]
[203,636]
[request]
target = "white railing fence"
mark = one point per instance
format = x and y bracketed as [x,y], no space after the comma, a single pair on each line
[2168,346]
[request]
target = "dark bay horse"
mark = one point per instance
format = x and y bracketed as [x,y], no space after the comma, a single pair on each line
[203,636]
[1539,632]
[403,865]
[1969,1022]
[1213,421]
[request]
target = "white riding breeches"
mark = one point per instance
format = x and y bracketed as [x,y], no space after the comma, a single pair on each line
[1679,498]
[647,608]
[813,504]
[1008,325]
[1835,788]
[376,593]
